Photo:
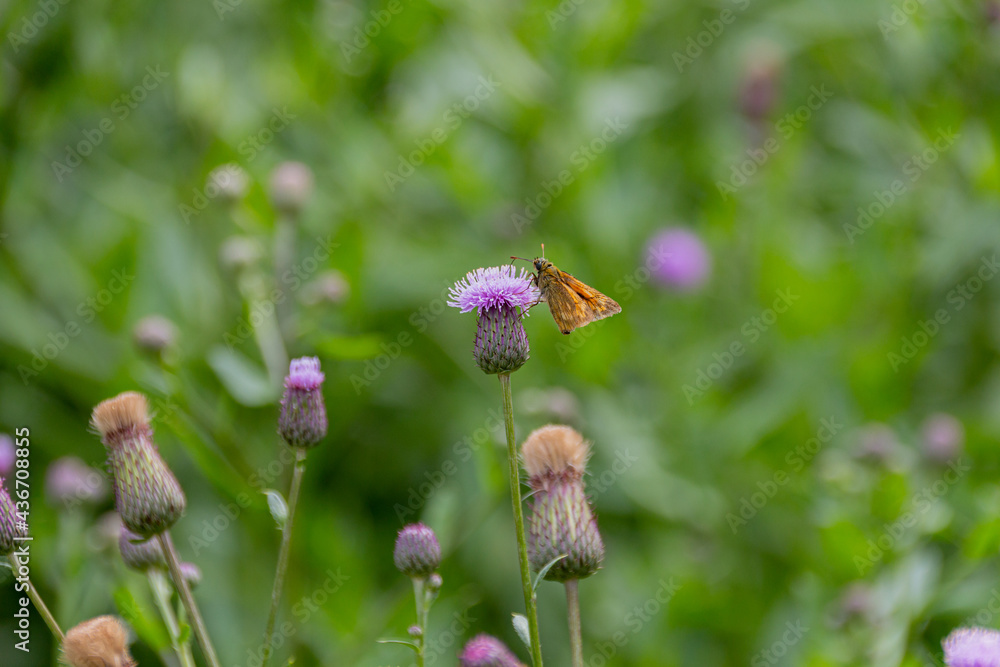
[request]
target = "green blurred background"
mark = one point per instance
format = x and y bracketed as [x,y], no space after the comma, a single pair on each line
[855,548]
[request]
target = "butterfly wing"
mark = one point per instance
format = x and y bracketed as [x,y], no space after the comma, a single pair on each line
[575,304]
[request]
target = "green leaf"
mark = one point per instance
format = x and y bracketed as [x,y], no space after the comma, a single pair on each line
[520,623]
[416,649]
[185,635]
[245,381]
[545,570]
[350,347]
[279,508]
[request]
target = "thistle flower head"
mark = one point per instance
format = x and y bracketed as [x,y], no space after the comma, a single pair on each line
[8,454]
[501,296]
[154,333]
[147,495]
[303,413]
[140,553]
[943,437]
[487,651]
[291,186]
[417,552]
[99,642]
[972,647]
[561,522]
[11,526]
[554,451]
[494,288]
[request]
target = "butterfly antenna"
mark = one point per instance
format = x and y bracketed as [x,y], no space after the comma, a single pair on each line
[520,258]
[543,251]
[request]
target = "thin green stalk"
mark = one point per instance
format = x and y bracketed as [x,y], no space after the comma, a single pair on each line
[36,599]
[161,593]
[184,591]
[286,541]
[573,614]
[522,543]
[422,612]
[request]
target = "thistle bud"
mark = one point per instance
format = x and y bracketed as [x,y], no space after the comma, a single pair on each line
[501,343]
[561,522]
[154,333]
[291,185]
[972,647]
[11,524]
[191,574]
[140,553]
[487,651]
[231,180]
[943,438]
[417,552]
[303,412]
[147,495]
[99,642]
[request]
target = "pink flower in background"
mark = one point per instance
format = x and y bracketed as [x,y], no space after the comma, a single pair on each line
[678,258]
[943,437]
[7,455]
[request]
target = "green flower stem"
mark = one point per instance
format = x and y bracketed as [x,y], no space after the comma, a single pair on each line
[184,591]
[286,541]
[36,599]
[161,593]
[522,544]
[422,612]
[573,614]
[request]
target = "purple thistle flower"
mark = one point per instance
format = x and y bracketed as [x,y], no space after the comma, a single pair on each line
[972,647]
[501,297]
[943,436]
[303,413]
[69,482]
[11,526]
[677,258]
[417,552]
[7,455]
[140,553]
[487,651]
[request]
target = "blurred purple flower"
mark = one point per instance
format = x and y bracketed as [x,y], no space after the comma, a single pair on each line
[486,651]
[303,422]
[69,481]
[972,647]
[943,437]
[678,258]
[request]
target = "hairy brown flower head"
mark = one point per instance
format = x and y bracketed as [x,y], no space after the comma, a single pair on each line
[561,522]
[147,495]
[99,642]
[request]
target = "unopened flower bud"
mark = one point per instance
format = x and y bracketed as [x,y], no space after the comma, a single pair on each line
[69,482]
[303,413]
[154,333]
[239,252]
[330,286]
[231,181]
[291,186]
[147,495]
[561,522]
[415,631]
[140,553]
[99,642]
[435,582]
[12,524]
[487,651]
[417,552]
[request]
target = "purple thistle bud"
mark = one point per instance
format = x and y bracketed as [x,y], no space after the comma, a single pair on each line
[417,552]
[972,647]
[140,553]
[69,481]
[147,495]
[501,297]
[303,413]
[154,333]
[487,651]
[677,258]
[561,522]
[11,525]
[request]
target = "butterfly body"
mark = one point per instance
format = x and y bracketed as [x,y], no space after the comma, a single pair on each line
[573,304]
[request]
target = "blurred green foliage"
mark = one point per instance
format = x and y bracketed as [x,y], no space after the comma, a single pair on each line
[851,549]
